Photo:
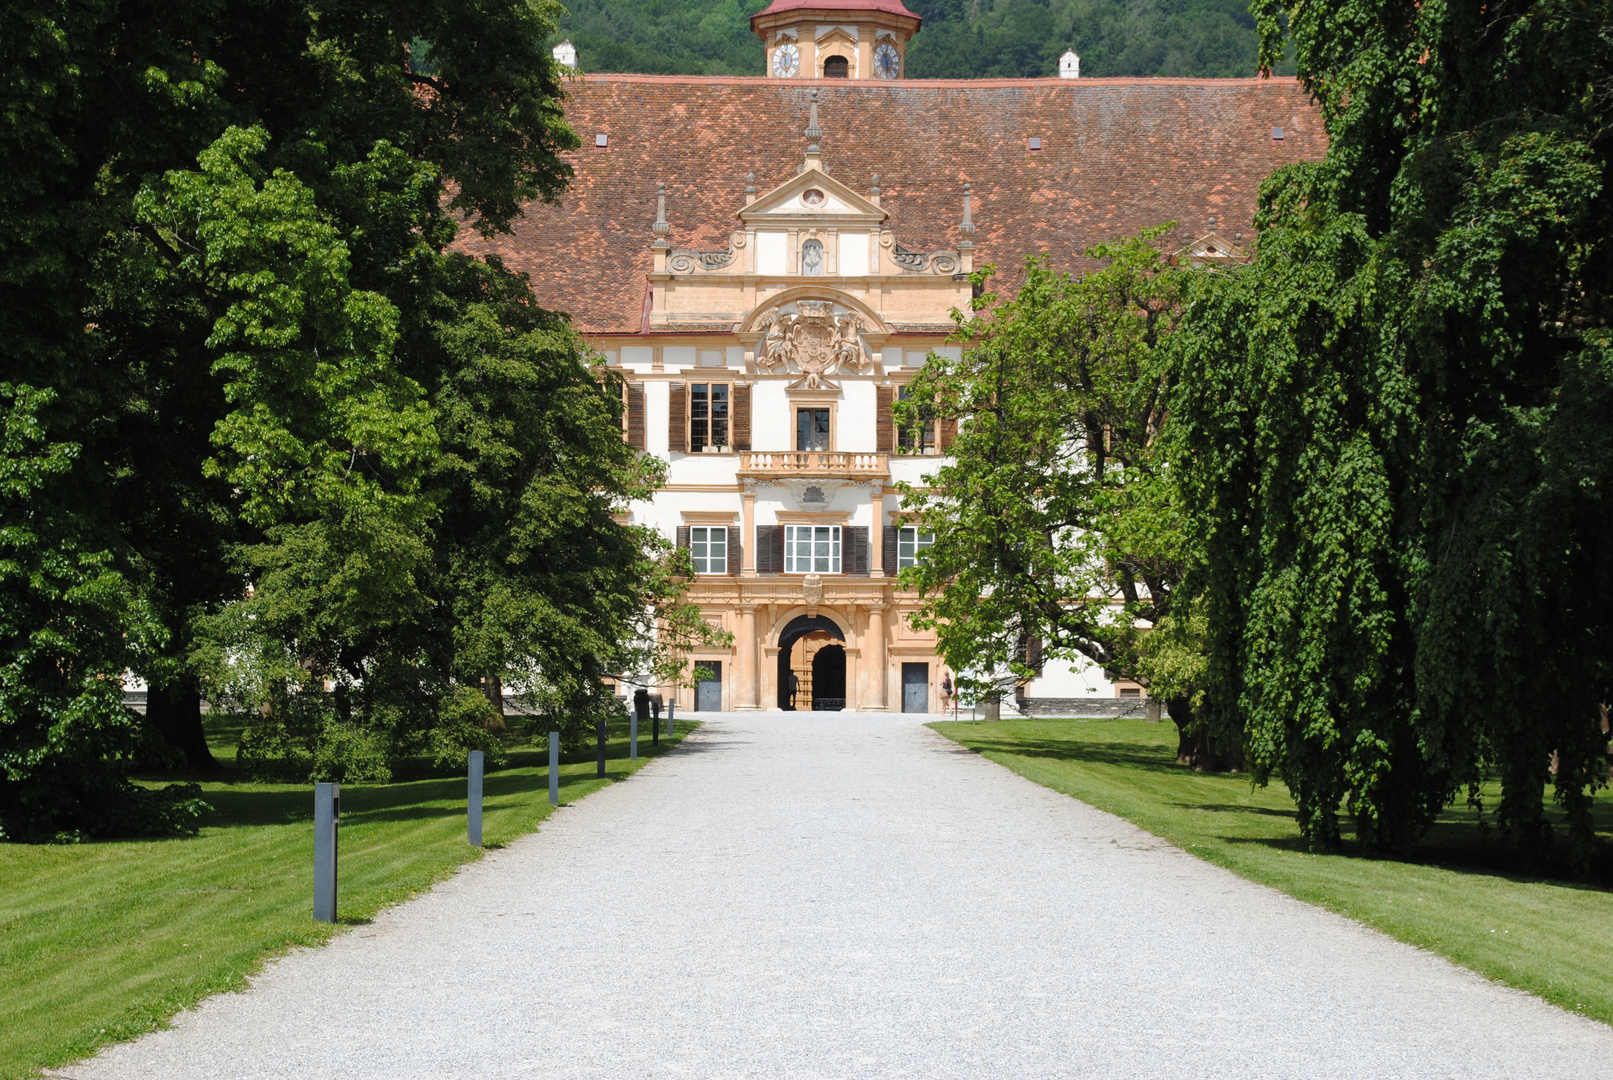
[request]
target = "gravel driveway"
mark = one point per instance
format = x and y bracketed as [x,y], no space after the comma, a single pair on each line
[844,895]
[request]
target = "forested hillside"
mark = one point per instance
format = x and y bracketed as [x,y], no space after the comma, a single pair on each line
[960,38]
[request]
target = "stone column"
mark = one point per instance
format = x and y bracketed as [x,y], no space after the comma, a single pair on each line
[876,532]
[874,656]
[745,679]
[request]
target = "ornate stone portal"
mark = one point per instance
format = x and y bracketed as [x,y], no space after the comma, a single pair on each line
[814,339]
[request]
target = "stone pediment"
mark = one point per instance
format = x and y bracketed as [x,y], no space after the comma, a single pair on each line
[1211,249]
[812,198]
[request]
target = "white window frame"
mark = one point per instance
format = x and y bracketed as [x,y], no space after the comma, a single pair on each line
[910,541]
[812,549]
[705,543]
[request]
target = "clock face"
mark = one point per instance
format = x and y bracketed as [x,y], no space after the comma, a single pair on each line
[887,62]
[786,61]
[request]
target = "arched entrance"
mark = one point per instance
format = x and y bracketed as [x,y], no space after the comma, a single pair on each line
[794,631]
[829,679]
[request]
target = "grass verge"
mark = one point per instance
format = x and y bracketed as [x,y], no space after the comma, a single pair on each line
[1457,894]
[103,942]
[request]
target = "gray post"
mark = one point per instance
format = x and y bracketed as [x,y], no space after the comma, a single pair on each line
[473,801]
[327,824]
[670,701]
[602,748]
[632,738]
[554,768]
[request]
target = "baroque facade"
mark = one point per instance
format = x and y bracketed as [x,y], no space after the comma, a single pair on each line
[768,261]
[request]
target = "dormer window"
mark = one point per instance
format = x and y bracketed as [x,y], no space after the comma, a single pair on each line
[812,258]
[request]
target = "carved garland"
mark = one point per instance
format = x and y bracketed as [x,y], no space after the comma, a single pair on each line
[684,261]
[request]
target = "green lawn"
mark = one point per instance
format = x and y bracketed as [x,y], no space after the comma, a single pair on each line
[101,942]
[1455,895]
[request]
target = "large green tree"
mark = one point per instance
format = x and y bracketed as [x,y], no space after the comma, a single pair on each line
[1397,425]
[1056,528]
[258,417]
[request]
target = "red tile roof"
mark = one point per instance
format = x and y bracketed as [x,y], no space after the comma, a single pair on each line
[894,7]
[1117,155]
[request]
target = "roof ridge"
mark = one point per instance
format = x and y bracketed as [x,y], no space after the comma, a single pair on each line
[882,84]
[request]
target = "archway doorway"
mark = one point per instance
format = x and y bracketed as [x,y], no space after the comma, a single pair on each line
[792,674]
[829,679]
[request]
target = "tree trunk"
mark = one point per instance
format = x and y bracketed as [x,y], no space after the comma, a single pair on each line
[175,711]
[494,689]
[1196,747]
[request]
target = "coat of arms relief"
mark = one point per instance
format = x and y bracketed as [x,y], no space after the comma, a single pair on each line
[814,340]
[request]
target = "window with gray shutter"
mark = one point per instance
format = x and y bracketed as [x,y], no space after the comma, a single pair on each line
[635,417]
[769,549]
[892,533]
[736,553]
[855,543]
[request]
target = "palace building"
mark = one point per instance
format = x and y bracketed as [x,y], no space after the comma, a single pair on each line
[769,260]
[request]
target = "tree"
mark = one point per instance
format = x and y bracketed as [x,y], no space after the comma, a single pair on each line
[242,388]
[1395,426]
[1056,529]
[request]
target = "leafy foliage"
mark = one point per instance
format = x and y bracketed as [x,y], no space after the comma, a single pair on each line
[262,430]
[959,39]
[1396,425]
[1056,528]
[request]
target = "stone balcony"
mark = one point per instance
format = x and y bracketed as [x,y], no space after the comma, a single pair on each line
[804,464]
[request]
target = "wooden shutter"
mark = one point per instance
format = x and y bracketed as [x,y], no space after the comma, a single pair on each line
[769,549]
[739,418]
[854,549]
[946,431]
[1033,653]
[736,550]
[635,417]
[891,536]
[677,427]
[683,537]
[884,424]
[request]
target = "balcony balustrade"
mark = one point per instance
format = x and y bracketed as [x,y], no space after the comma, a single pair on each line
[804,463]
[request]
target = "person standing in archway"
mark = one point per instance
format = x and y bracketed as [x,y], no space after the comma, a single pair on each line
[795,684]
[946,691]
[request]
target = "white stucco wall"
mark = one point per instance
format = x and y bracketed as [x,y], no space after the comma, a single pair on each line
[1066,679]
[771,426]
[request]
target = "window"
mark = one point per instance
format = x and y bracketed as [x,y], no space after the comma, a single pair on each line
[910,544]
[836,67]
[812,258]
[812,549]
[812,429]
[920,439]
[771,252]
[708,416]
[708,547]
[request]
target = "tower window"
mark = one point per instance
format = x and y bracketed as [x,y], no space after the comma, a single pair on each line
[836,68]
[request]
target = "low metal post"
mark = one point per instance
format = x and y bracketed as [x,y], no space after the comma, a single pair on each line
[554,768]
[473,801]
[327,826]
[602,748]
[632,738]
[671,706]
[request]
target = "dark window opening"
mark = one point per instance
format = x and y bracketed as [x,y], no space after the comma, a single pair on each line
[812,429]
[917,439]
[836,68]
[708,416]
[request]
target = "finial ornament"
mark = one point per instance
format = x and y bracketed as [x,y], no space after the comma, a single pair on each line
[813,132]
[661,228]
[750,183]
[967,229]
[874,188]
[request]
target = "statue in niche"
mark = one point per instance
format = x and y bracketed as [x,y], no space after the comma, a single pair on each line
[814,340]
[812,258]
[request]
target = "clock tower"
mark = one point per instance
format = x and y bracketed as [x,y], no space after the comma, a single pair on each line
[836,39]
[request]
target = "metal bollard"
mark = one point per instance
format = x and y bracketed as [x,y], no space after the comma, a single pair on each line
[554,768]
[602,748]
[473,801]
[632,738]
[671,704]
[327,826]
